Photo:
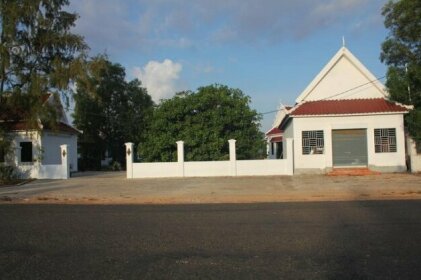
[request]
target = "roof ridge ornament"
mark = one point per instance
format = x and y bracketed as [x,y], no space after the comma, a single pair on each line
[343,41]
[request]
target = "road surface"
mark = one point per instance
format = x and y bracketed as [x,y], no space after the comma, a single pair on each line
[307,240]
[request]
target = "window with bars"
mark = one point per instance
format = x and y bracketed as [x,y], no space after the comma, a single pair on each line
[313,142]
[385,140]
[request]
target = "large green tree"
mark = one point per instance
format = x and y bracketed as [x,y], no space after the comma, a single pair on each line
[38,54]
[109,111]
[401,51]
[205,120]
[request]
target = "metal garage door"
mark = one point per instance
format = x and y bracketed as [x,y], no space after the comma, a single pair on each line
[349,147]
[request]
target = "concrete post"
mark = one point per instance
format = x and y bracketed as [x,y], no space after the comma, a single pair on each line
[129,160]
[180,156]
[233,157]
[290,156]
[65,161]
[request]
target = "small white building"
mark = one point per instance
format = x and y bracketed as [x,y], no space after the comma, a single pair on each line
[274,137]
[38,152]
[344,119]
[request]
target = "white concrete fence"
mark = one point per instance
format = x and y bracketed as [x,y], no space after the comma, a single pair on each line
[231,167]
[43,171]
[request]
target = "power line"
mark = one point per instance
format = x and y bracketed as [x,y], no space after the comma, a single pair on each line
[275,111]
[336,94]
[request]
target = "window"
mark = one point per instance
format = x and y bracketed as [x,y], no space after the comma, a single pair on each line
[272,148]
[313,142]
[2,154]
[385,140]
[26,152]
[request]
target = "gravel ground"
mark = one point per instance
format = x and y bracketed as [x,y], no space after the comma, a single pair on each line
[113,187]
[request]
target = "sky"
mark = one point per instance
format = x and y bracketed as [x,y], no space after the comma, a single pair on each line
[270,49]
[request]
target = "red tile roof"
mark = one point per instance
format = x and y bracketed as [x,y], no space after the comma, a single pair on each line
[62,127]
[22,125]
[45,97]
[274,130]
[347,107]
[276,139]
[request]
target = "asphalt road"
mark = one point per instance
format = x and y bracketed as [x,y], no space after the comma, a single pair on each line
[317,240]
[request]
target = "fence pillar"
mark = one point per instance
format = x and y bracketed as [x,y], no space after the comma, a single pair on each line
[65,161]
[290,156]
[233,157]
[180,156]
[129,160]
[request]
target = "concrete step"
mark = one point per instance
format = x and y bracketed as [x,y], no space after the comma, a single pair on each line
[352,172]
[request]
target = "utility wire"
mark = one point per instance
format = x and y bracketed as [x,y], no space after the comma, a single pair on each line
[275,111]
[336,94]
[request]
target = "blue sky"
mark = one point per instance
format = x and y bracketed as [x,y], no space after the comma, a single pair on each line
[270,49]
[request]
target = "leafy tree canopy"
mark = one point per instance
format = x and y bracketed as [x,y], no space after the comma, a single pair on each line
[205,120]
[38,54]
[401,51]
[109,111]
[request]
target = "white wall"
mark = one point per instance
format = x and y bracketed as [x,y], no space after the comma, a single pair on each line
[386,162]
[232,167]
[39,171]
[51,145]
[57,164]
[30,136]
[207,168]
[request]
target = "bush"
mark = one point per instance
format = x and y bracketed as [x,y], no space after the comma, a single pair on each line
[115,166]
[7,174]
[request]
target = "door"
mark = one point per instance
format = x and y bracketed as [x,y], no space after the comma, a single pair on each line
[349,147]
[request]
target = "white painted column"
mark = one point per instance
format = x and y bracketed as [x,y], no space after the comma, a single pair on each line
[129,160]
[290,156]
[18,150]
[233,157]
[180,156]
[65,161]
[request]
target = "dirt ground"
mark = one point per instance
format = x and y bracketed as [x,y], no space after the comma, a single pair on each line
[114,188]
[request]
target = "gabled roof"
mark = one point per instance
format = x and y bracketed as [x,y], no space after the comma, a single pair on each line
[273,131]
[24,126]
[347,107]
[343,77]
[14,120]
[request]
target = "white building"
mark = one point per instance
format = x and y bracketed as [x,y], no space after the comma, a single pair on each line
[40,152]
[344,119]
[274,137]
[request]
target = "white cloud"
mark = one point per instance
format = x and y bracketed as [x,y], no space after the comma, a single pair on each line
[162,79]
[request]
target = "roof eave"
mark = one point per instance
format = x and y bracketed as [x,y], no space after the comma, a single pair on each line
[350,114]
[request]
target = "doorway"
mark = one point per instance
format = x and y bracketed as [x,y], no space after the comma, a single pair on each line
[349,147]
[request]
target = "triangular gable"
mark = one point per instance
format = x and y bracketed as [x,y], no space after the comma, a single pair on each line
[343,77]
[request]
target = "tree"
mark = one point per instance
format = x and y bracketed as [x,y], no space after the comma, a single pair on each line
[401,51]
[38,54]
[109,111]
[205,120]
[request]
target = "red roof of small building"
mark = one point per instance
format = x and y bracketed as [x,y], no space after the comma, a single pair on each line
[276,139]
[22,125]
[347,106]
[273,131]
